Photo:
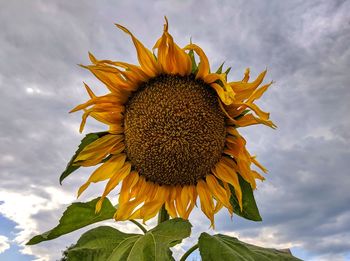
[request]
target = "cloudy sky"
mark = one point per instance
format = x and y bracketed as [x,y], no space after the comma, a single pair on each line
[305,46]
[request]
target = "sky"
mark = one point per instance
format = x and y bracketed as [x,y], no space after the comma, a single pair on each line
[304,200]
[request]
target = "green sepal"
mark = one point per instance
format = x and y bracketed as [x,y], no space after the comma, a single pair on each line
[193,62]
[222,247]
[227,71]
[155,56]
[76,216]
[249,208]
[109,244]
[89,138]
[219,70]
[242,114]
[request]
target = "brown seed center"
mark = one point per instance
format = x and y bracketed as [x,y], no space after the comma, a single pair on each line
[174,130]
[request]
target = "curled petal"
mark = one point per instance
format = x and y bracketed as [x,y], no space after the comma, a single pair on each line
[246,75]
[146,59]
[203,67]
[227,97]
[171,57]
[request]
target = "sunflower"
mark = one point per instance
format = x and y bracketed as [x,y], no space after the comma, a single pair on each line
[172,131]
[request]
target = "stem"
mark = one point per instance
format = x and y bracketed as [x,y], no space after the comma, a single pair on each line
[189,252]
[139,225]
[163,215]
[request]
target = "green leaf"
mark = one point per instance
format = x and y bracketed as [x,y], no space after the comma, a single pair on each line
[109,244]
[154,245]
[221,247]
[97,244]
[76,216]
[249,208]
[89,138]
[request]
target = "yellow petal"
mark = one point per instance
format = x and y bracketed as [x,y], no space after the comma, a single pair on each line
[137,74]
[150,209]
[108,118]
[213,77]
[246,75]
[105,171]
[113,182]
[116,129]
[218,192]
[218,206]
[223,109]
[147,199]
[111,77]
[226,97]
[263,115]
[243,159]
[250,119]
[170,203]
[89,91]
[238,86]
[244,89]
[124,210]
[228,174]
[117,149]
[103,115]
[128,183]
[171,57]
[257,163]
[203,67]
[100,144]
[228,193]
[182,201]
[258,93]
[98,149]
[83,188]
[231,139]
[233,131]
[92,58]
[146,188]
[257,175]
[235,109]
[110,98]
[245,171]
[192,194]
[207,204]
[146,59]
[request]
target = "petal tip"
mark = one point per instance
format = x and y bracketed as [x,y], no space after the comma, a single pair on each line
[166,24]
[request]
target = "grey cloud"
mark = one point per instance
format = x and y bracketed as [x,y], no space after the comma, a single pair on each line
[303,44]
[310,193]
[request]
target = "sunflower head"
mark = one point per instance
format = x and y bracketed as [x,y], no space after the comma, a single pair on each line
[172,131]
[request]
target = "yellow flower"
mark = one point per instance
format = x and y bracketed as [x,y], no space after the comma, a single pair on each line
[172,131]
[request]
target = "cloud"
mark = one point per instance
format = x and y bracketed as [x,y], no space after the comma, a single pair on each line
[304,201]
[4,244]
[22,208]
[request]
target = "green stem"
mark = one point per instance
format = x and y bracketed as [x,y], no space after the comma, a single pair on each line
[139,225]
[163,215]
[189,252]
